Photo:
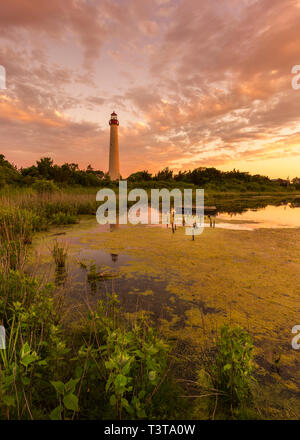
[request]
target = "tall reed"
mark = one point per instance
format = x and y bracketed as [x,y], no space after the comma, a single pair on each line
[59,253]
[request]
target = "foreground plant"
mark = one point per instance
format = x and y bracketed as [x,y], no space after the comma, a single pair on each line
[233,367]
[226,376]
[17,364]
[133,360]
[59,253]
[68,401]
[230,374]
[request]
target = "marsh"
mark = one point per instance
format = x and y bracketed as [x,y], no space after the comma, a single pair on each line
[245,271]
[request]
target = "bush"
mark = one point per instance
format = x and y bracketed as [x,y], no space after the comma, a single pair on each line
[133,360]
[62,218]
[44,186]
[233,366]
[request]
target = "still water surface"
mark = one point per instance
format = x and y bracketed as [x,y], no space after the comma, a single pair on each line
[80,249]
[284,216]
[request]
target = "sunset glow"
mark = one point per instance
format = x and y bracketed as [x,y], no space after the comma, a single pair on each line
[194,83]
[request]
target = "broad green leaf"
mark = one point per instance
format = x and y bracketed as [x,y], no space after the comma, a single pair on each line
[25,350]
[125,403]
[71,385]
[8,400]
[56,413]
[28,359]
[71,402]
[120,382]
[59,386]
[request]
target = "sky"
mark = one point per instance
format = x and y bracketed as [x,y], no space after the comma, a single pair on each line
[195,83]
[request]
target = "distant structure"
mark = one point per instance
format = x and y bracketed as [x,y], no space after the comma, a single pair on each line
[282,182]
[114,161]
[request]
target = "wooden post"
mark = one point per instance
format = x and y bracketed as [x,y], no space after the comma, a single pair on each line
[193,235]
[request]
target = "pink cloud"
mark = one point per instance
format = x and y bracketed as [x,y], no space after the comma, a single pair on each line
[194,81]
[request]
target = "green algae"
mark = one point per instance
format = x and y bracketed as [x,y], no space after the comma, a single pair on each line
[246,278]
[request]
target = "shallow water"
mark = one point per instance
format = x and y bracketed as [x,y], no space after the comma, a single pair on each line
[284,216]
[249,277]
[139,291]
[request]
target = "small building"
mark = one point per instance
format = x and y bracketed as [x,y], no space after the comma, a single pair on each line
[282,182]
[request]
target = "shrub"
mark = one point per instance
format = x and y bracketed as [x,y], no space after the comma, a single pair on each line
[61,218]
[233,365]
[133,359]
[44,186]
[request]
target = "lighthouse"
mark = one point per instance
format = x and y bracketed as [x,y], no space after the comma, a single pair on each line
[114,161]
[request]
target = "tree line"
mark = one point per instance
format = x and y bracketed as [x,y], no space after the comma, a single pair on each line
[69,174]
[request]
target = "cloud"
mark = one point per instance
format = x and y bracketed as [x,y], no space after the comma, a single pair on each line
[55,19]
[195,82]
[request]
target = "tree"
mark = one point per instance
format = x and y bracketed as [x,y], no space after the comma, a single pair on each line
[8,172]
[165,174]
[140,176]
[44,166]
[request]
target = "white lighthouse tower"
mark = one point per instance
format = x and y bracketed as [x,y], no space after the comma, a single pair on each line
[114,161]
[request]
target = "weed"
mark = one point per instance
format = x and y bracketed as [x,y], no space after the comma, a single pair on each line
[232,371]
[59,253]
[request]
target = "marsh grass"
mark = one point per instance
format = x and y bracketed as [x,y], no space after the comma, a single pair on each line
[25,212]
[47,207]
[13,248]
[59,253]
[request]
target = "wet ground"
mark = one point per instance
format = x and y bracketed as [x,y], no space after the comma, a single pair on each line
[244,271]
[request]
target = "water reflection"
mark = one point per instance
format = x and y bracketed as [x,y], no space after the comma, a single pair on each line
[60,276]
[244,204]
[240,214]
[113,228]
[295,204]
[212,220]
[283,216]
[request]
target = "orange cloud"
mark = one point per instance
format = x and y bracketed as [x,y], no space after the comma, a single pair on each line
[9,111]
[194,82]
